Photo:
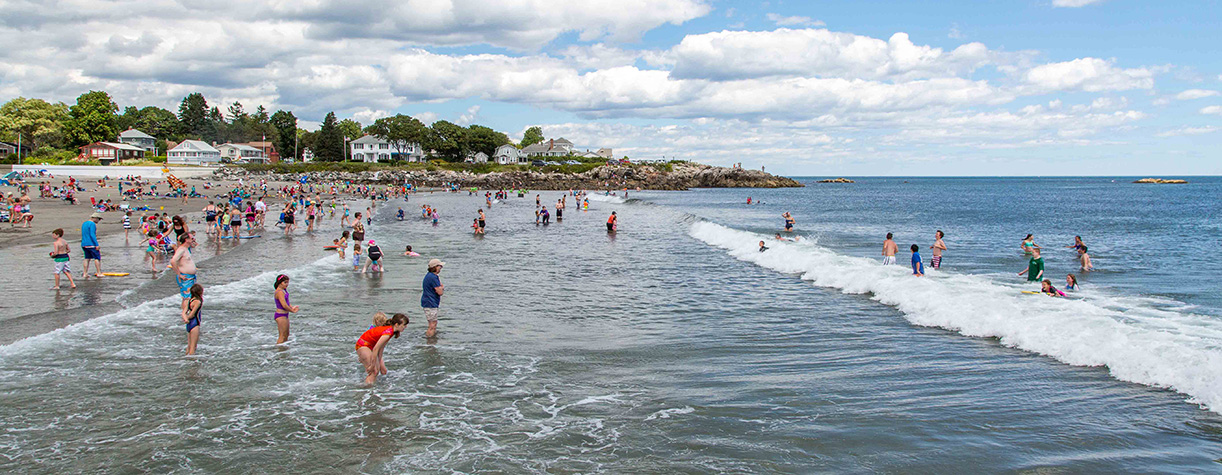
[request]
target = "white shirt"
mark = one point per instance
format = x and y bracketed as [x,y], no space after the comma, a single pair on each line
[260,206]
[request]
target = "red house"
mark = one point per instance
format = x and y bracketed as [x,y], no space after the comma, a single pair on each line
[109,153]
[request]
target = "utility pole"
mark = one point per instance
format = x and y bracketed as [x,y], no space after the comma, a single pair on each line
[19,148]
[296,139]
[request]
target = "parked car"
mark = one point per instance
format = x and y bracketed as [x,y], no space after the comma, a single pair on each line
[537,163]
[572,162]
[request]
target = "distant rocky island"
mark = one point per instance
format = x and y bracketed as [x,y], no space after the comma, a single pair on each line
[669,176]
[837,180]
[1161,181]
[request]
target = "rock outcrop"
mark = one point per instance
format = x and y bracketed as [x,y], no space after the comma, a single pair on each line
[1161,181]
[681,176]
[837,180]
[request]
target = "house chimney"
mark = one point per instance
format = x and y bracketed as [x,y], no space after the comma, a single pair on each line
[551,143]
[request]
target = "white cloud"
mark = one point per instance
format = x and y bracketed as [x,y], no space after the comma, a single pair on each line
[1209,129]
[467,118]
[1074,3]
[1087,74]
[955,33]
[781,20]
[1192,94]
[1212,110]
[817,52]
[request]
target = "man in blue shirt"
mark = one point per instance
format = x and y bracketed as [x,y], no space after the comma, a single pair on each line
[89,244]
[430,298]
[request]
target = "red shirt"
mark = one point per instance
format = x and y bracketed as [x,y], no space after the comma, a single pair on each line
[371,336]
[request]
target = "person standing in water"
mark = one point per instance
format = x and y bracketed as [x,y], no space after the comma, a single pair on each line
[937,248]
[184,267]
[283,308]
[89,244]
[1035,267]
[1028,245]
[191,316]
[789,222]
[918,267]
[612,223]
[889,251]
[59,254]
[430,297]
[371,343]
[481,221]
[1084,257]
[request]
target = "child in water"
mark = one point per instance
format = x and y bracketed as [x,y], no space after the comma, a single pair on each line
[190,317]
[371,343]
[1085,258]
[1050,290]
[408,252]
[1071,282]
[918,267]
[763,247]
[356,257]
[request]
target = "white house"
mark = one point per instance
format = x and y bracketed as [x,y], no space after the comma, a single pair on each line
[371,149]
[508,155]
[137,138]
[239,153]
[477,157]
[193,152]
[551,148]
[307,155]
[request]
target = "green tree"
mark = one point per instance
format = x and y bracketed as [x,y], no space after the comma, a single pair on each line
[193,114]
[128,118]
[484,139]
[449,140]
[158,122]
[351,129]
[285,124]
[260,127]
[39,122]
[401,131]
[214,126]
[93,119]
[306,139]
[532,136]
[329,144]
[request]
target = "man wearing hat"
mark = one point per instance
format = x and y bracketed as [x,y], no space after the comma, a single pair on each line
[430,299]
[89,243]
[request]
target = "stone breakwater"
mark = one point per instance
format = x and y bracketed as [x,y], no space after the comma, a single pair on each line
[682,176]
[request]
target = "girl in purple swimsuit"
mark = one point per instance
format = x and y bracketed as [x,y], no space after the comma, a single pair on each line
[283,308]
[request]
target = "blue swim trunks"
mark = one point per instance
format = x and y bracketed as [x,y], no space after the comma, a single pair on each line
[185,281]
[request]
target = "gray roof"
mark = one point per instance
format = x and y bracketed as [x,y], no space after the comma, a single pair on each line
[134,134]
[239,146]
[194,146]
[563,140]
[368,139]
[539,147]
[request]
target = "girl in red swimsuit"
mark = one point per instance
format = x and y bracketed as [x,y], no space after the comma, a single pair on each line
[370,345]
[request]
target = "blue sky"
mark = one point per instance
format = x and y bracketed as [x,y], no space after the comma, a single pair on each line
[1047,87]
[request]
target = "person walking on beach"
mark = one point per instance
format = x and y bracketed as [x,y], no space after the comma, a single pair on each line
[184,267]
[1035,267]
[283,308]
[127,225]
[430,297]
[937,247]
[889,251]
[918,267]
[89,244]
[371,343]
[191,316]
[59,254]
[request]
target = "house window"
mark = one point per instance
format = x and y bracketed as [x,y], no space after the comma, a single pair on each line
[383,146]
[358,146]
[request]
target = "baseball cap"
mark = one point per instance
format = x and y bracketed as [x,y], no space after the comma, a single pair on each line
[436,262]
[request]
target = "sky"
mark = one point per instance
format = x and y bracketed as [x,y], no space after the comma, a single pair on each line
[814,88]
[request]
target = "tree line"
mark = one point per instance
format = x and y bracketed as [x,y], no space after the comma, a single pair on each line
[47,127]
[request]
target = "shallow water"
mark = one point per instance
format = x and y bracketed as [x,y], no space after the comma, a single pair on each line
[671,346]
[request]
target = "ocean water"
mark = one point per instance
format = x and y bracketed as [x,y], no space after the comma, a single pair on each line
[673,345]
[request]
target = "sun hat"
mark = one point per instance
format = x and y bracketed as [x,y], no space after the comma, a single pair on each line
[96,215]
[436,263]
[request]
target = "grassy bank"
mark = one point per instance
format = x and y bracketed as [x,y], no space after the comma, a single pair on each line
[436,165]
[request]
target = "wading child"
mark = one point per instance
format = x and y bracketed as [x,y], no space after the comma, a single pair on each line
[409,253]
[918,267]
[356,257]
[60,256]
[371,343]
[191,315]
[283,308]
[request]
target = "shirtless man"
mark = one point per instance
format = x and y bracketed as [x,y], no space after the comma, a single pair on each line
[889,250]
[184,267]
[938,246]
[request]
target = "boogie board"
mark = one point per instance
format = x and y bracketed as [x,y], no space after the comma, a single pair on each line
[330,248]
[115,274]
[241,237]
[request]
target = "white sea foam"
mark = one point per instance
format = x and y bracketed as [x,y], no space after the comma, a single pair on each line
[594,196]
[1135,341]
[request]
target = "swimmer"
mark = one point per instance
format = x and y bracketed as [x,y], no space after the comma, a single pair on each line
[889,251]
[400,214]
[409,253]
[190,316]
[283,308]
[371,343]
[1077,243]
[1028,244]
[1071,282]
[763,247]
[918,267]
[938,246]
[1085,259]
[1047,288]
